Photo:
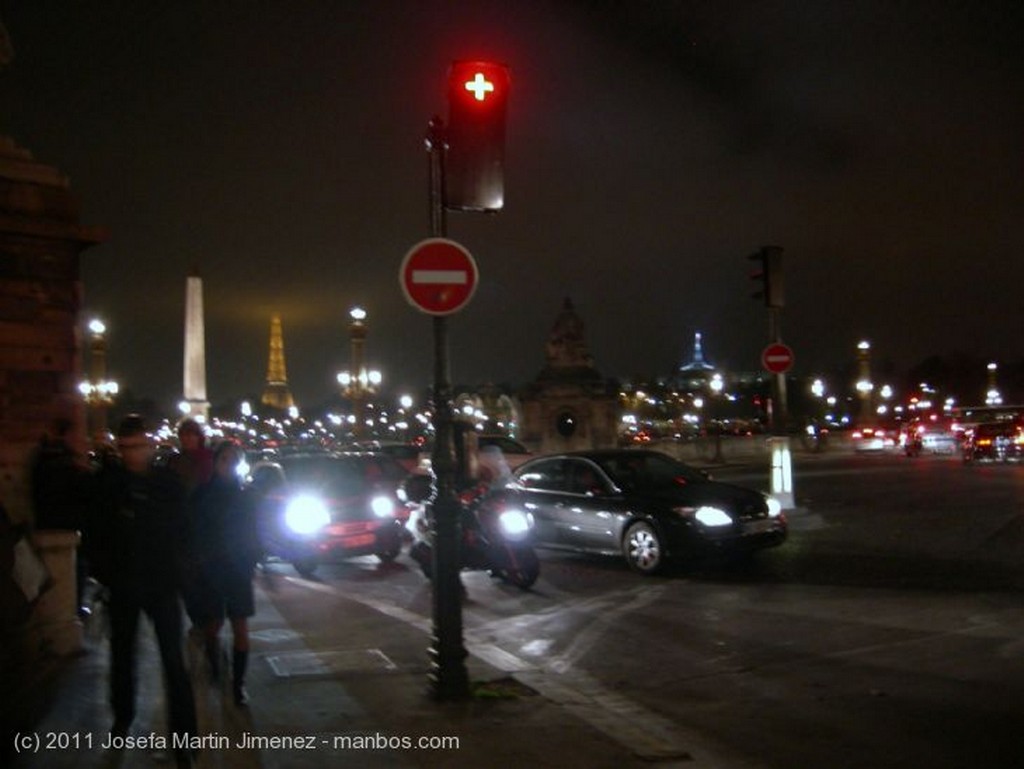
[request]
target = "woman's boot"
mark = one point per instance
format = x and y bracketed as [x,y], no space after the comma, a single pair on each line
[239,662]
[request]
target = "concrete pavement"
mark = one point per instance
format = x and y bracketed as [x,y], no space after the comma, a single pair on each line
[363,702]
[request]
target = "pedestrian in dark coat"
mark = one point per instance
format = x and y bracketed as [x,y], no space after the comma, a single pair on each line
[225,549]
[193,463]
[136,534]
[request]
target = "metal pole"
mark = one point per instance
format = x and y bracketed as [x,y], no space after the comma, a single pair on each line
[781,458]
[449,679]
[780,412]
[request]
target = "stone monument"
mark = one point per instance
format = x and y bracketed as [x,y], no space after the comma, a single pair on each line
[195,349]
[569,406]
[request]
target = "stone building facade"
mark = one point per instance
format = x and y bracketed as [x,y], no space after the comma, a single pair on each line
[569,406]
[41,240]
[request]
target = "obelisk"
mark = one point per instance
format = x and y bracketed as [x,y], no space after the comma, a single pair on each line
[195,403]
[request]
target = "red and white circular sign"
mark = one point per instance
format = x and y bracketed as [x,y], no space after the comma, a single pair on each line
[777,358]
[438,276]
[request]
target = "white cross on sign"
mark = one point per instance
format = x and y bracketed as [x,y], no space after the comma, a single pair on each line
[479,86]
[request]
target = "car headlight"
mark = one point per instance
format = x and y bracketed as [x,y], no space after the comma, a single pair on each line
[514,523]
[382,507]
[712,516]
[774,507]
[306,514]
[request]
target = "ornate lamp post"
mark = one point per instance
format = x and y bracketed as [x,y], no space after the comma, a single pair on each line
[717,385]
[992,395]
[864,384]
[357,382]
[357,331]
[98,391]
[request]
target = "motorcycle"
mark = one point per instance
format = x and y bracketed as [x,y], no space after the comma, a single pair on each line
[495,539]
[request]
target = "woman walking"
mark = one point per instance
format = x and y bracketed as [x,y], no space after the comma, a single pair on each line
[225,550]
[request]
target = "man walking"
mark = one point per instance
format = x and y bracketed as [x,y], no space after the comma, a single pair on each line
[137,537]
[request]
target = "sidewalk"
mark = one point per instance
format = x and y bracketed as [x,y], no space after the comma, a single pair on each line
[359,705]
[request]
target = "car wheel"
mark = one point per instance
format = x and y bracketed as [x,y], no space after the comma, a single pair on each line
[422,554]
[525,570]
[305,567]
[643,548]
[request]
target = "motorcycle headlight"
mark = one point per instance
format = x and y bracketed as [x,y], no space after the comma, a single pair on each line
[242,469]
[712,516]
[514,523]
[382,507]
[306,514]
[774,507]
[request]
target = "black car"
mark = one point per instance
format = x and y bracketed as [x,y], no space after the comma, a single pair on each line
[318,508]
[640,504]
[994,442]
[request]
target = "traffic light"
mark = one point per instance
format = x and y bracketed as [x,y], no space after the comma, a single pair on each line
[769,276]
[475,161]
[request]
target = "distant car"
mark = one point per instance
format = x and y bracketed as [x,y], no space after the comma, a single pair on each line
[921,437]
[873,439]
[320,508]
[406,454]
[642,505]
[994,442]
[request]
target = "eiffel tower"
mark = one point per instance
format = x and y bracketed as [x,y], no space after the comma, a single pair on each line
[276,394]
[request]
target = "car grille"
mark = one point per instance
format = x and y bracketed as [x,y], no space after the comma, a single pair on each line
[753,512]
[347,529]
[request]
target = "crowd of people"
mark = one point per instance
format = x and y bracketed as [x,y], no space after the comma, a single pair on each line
[158,536]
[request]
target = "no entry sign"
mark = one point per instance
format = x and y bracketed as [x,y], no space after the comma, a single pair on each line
[438,276]
[777,358]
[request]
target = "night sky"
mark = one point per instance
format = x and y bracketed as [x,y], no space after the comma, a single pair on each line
[278,147]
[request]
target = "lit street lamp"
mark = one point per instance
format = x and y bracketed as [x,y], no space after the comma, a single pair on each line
[97,390]
[886,393]
[864,385]
[992,396]
[357,382]
[717,385]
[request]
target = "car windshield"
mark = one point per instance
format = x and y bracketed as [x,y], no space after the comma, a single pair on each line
[507,445]
[648,472]
[341,477]
[996,429]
